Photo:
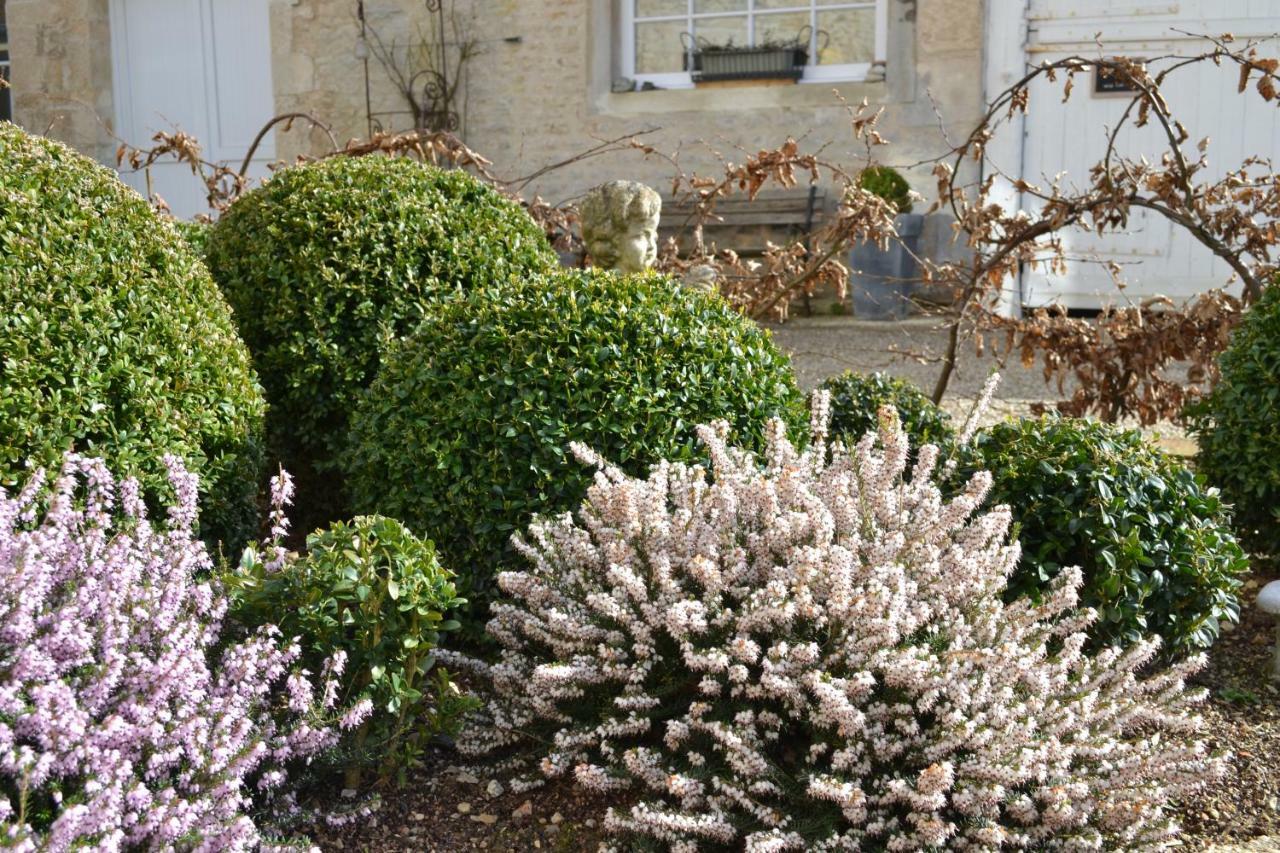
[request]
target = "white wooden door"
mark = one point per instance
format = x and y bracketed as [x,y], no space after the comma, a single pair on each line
[202,66]
[1156,258]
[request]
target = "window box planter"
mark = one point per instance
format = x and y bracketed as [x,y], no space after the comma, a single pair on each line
[708,63]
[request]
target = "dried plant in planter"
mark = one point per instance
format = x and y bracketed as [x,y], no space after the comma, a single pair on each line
[809,652]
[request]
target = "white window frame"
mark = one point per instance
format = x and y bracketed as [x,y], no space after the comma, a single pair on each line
[813,73]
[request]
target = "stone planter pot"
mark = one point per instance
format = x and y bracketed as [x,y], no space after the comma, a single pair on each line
[882,280]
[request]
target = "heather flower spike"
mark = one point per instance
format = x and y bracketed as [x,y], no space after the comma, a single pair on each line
[120,727]
[809,651]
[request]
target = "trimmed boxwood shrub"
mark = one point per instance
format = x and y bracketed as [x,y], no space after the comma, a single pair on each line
[114,341]
[195,233]
[465,433]
[1154,542]
[328,261]
[856,399]
[1238,426]
[888,183]
[375,592]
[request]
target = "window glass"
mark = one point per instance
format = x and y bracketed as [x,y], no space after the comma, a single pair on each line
[655,8]
[722,31]
[782,27]
[846,36]
[835,32]
[658,48]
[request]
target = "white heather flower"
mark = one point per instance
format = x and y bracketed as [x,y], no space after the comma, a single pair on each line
[825,616]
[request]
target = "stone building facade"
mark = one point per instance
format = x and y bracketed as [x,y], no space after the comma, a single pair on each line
[547,80]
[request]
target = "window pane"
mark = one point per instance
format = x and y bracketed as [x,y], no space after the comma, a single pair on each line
[722,31]
[782,28]
[852,36]
[658,47]
[719,5]
[782,4]
[654,8]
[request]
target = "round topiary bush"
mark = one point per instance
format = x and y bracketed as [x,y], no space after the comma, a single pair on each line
[1238,426]
[114,341]
[887,183]
[856,399]
[328,261]
[1154,542]
[465,433]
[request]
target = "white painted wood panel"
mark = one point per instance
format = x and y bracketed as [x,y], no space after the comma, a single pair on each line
[1065,140]
[202,66]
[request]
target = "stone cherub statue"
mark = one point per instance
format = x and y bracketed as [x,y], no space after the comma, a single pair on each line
[620,225]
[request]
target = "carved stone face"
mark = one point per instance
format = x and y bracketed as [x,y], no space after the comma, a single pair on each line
[620,226]
[637,247]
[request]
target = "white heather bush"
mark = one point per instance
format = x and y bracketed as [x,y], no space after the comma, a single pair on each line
[126,719]
[810,652]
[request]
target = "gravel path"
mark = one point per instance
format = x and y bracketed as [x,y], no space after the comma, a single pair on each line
[910,349]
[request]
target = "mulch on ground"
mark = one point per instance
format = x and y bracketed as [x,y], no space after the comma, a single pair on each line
[1243,717]
[442,810]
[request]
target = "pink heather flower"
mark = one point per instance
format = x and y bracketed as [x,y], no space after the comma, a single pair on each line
[114,708]
[809,651]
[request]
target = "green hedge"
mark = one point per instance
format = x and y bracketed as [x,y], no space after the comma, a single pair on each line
[856,398]
[1154,543]
[465,434]
[1238,426]
[329,261]
[114,341]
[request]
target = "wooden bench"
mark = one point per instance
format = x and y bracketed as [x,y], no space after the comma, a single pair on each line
[745,225]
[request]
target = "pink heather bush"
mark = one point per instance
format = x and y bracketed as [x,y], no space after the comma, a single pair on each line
[117,728]
[812,654]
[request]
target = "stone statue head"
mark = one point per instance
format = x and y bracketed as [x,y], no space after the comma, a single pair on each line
[620,225]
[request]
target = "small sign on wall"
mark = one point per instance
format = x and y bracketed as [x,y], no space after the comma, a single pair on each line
[1109,81]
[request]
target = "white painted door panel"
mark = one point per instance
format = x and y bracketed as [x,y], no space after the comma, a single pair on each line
[201,66]
[1155,257]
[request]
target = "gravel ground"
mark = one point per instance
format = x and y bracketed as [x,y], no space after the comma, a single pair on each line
[1243,717]
[825,346]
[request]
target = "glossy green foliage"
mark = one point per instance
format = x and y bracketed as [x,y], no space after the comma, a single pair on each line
[195,233]
[329,261]
[886,182]
[1153,541]
[1238,426]
[466,432]
[373,590]
[115,342]
[856,398]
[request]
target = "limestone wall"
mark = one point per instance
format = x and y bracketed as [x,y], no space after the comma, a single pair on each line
[538,90]
[60,56]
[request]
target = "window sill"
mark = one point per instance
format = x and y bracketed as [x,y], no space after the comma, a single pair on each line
[743,96]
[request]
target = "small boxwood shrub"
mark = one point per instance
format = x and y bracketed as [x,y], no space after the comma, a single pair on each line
[465,433]
[1238,426]
[887,183]
[803,653]
[114,341]
[328,261]
[370,589]
[856,399]
[1154,542]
